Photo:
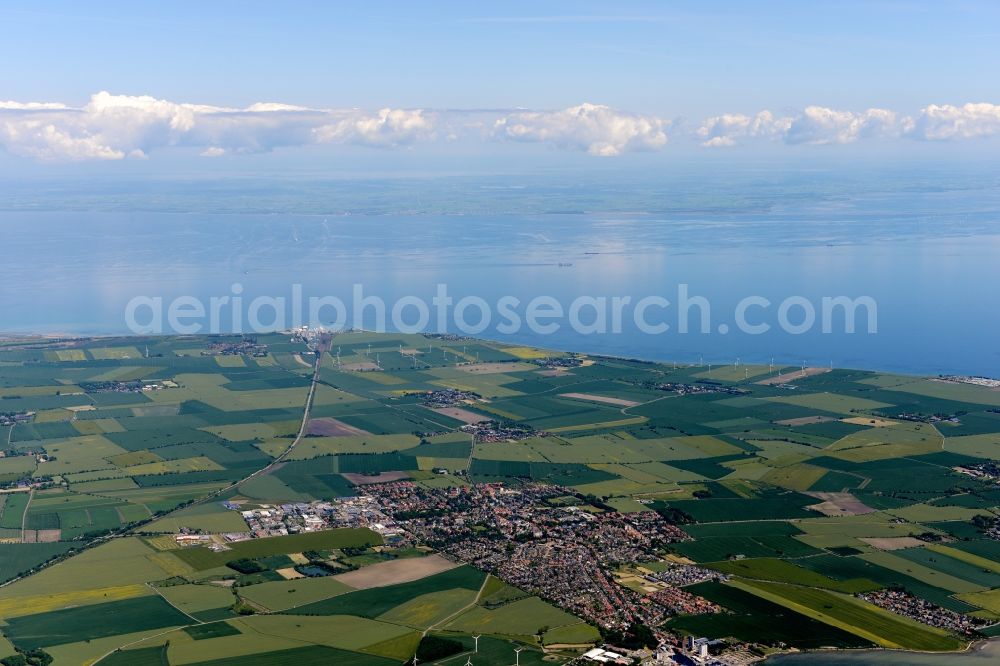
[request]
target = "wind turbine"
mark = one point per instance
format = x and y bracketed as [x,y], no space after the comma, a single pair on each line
[476,638]
[415,660]
[517,656]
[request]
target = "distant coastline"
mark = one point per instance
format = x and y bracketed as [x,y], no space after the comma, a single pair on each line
[28,336]
[986,650]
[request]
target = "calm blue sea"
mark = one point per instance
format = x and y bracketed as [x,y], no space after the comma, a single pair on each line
[927,256]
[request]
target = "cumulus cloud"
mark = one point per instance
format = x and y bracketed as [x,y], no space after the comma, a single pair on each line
[38,138]
[815,125]
[942,123]
[114,127]
[387,127]
[819,125]
[727,129]
[596,129]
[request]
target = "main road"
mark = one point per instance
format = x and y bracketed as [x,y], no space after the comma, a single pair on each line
[322,347]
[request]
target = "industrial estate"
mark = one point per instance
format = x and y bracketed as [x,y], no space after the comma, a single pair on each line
[366,499]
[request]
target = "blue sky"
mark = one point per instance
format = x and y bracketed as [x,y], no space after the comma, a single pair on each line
[663,69]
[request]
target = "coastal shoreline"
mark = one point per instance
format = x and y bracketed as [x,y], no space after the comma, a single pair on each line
[986,648]
[28,337]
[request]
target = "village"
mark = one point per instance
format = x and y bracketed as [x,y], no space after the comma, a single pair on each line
[447,397]
[700,388]
[495,431]
[136,386]
[245,346]
[902,603]
[13,418]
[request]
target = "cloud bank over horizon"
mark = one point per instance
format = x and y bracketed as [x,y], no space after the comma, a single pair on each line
[117,127]
[817,125]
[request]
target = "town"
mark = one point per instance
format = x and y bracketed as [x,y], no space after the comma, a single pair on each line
[531,538]
[535,537]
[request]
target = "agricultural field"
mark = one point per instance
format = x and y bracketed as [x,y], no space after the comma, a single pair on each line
[127,479]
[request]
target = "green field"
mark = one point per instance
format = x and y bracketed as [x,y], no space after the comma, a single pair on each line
[13,510]
[520,618]
[17,558]
[193,599]
[119,562]
[376,601]
[427,610]
[284,594]
[313,655]
[91,622]
[752,618]
[207,517]
[847,613]
[783,571]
